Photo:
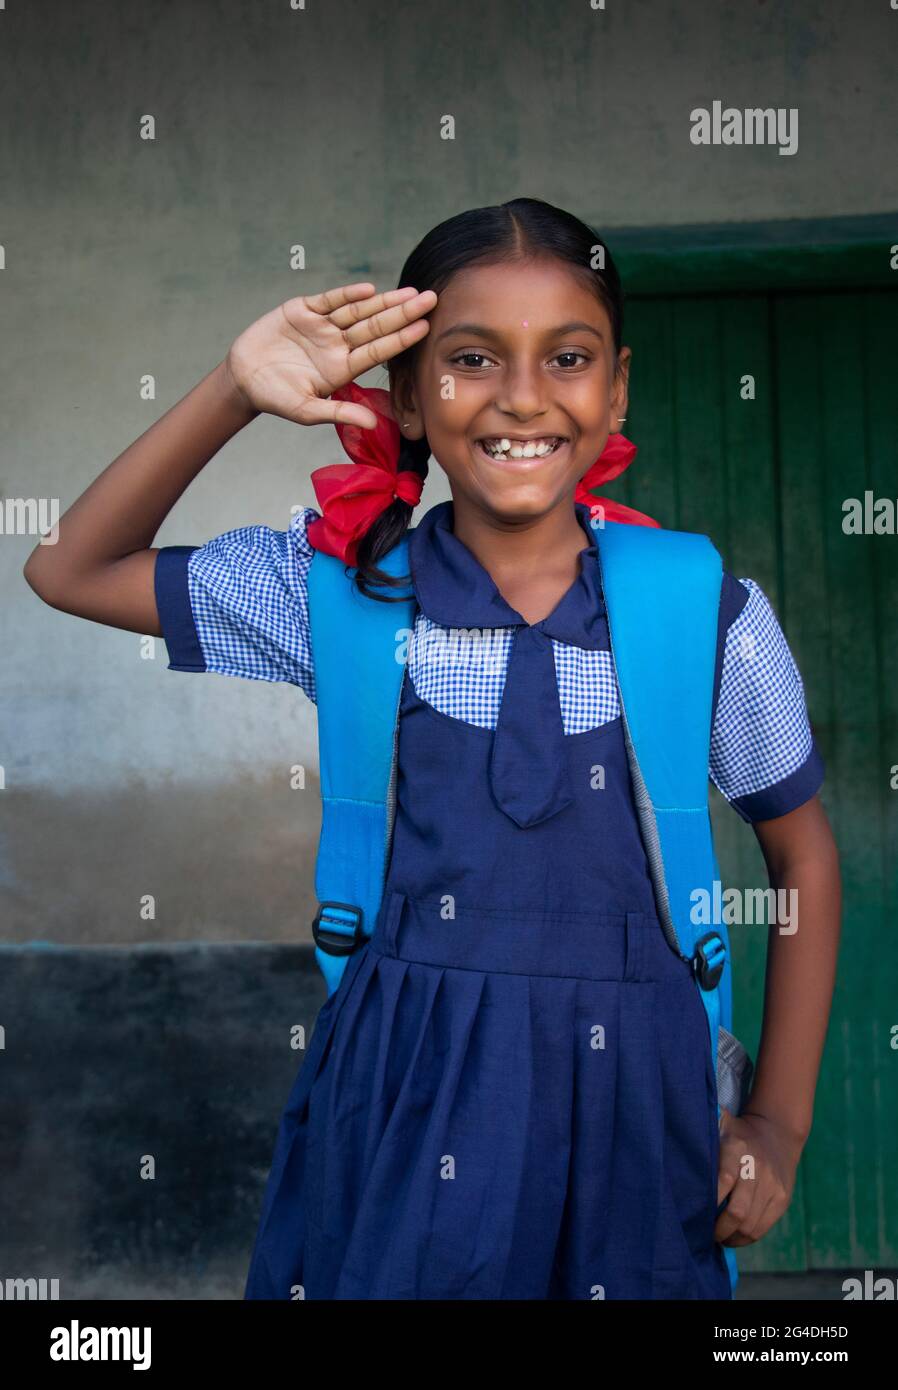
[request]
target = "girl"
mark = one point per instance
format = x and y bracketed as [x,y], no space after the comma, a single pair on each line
[453,1132]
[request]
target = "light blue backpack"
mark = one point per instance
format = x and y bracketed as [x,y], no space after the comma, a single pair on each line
[665,671]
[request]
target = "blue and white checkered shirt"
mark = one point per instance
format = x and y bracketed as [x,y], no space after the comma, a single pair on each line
[238,606]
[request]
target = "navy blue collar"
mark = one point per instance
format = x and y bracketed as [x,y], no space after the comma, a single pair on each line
[453,589]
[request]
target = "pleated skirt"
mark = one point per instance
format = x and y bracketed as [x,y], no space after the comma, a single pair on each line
[504,1105]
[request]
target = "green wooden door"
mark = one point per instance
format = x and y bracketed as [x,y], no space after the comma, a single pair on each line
[765,478]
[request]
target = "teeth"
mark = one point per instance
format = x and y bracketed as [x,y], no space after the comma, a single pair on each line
[503,448]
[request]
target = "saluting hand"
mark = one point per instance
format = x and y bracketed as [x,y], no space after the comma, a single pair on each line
[292,359]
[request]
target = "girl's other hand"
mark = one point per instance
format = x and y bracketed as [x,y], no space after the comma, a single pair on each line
[292,359]
[755,1203]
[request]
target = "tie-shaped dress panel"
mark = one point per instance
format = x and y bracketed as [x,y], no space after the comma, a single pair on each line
[528,764]
[528,769]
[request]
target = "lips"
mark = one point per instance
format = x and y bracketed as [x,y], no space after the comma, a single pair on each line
[504,447]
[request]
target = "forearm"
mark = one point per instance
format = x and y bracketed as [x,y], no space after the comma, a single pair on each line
[121,511]
[800,978]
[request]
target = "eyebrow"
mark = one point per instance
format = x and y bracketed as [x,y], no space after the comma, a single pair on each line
[481,331]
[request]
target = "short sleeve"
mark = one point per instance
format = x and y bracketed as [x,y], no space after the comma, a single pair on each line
[764,758]
[238,605]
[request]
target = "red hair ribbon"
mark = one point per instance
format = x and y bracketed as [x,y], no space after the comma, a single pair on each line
[616,456]
[353,495]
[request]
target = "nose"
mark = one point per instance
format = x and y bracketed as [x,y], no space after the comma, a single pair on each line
[522,392]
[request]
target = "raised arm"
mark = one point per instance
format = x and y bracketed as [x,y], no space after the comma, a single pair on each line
[287,363]
[101,566]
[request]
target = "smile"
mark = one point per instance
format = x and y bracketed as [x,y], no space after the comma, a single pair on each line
[504,447]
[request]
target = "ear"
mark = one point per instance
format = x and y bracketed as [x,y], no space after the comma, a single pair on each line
[620,392]
[405,409]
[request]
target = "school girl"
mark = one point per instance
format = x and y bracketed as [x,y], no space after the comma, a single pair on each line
[455,1131]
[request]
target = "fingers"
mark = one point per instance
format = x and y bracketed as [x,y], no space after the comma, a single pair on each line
[350,305]
[754,1226]
[373,353]
[754,1205]
[330,300]
[315,411]
[354,313]
[390,320]
[731,1184]
[756,1192]
[734,1222]
[769,1215]
[752,1230]
[363,318]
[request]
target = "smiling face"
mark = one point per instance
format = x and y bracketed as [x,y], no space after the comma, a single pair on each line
[526,351]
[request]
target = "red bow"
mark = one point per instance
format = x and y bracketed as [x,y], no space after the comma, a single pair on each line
[353,495]
[617,455]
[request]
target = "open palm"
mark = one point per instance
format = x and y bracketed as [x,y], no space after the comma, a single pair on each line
[292,359]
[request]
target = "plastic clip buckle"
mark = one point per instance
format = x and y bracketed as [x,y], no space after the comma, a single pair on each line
[709,959]
[335,943]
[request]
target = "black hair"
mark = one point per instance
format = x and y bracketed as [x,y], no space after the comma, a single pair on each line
[523,229]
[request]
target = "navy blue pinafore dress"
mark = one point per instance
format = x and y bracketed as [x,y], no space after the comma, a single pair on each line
[511,1094]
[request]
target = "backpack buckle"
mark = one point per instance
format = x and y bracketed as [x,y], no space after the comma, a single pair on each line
[334,942]
[709,959]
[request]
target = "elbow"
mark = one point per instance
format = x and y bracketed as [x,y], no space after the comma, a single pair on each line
[38,579]
[30,571]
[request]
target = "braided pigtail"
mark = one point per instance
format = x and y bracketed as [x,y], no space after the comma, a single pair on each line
[389,528]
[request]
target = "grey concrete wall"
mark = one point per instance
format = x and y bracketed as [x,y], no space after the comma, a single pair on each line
[123,257]
[142,1092]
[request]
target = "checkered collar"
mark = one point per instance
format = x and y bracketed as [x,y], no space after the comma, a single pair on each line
[453,589]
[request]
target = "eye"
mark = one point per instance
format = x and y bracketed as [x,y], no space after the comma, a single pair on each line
[460,359]
[572,353]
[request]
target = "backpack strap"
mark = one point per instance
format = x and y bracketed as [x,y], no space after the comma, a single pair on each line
[662,598]
[359,658]
[662,595]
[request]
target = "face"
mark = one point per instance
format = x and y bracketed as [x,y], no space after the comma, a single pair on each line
[516,352]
